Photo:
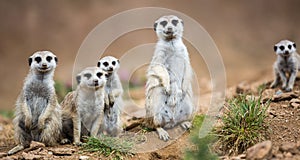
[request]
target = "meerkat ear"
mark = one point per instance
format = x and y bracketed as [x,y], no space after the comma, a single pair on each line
[155,25]
[294,44]
[118,61]
[78,79]
[29,61]
[56,60]
[275,48]
[182,22]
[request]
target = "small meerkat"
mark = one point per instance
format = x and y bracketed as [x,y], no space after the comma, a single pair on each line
[168,89]
[82,109]
[287,64]
[112,124]
[38,114]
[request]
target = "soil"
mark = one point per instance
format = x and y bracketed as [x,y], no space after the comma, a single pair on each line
[284,128]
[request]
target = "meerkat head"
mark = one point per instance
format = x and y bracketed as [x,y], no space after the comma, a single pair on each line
[109,64]
[42,61]
[169,27]
[92,77]
[285,48]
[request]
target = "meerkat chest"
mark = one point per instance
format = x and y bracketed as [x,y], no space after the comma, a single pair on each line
[37,97]
[287,65]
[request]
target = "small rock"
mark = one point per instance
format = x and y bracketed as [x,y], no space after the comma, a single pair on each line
[289,147]
[239,157]
[2,154]
[29,156]
[259,151]
[62,151]
[295,100]
[284,96]
[83,157]
[288,155]
[295,105]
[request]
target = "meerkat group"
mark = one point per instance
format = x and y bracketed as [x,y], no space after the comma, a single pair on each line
[95,106]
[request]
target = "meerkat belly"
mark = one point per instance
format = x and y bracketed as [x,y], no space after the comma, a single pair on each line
[37,99]
[89,112]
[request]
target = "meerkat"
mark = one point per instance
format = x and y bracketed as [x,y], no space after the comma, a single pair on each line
[112,124]
[82,109]
[38,114]
[168,89]
[287,63]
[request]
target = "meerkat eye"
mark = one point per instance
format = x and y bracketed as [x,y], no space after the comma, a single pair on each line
[294,45]
[174,22]
[99,74]
[38,59]
[48,58]
[166,111]
[106,75]
[88,75]
[281,48]
[114,63]
[290,46]
[105,64]
[163,23]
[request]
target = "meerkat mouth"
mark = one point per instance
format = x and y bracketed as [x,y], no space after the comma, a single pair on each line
[44,69]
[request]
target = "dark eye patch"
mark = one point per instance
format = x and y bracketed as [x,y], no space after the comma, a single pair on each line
[87,75]
[99,74]
[163,23]
[281,48]
[48,58]
[105,64]
[106,75]
[294,45]
[174,22]
[38,59]
[166,111]
[290,46]
[114,63]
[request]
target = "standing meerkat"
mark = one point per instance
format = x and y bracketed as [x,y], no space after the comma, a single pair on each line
[112,124]
[82,109]
[168,90]
[287,63]
[38,114]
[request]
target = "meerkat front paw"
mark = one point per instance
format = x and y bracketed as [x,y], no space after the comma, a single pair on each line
[111,99]
[174,98]
[288,89]
[163,135]
[284,86]
[65,141]
[186,125]
[106,99]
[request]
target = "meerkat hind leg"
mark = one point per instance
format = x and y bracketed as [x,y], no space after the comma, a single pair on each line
[163,134]
[276,80]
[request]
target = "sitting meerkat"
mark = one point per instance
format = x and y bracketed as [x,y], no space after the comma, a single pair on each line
[112,124]
[38,114]
[82,109]
[287,63]
[168,89]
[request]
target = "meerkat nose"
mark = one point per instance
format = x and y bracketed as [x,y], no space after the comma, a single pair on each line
[170,29]
[44,65]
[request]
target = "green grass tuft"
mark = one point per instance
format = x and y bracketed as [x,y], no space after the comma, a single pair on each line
[7,113]
[201,146]
[112,147]
[61,90]
[243,124]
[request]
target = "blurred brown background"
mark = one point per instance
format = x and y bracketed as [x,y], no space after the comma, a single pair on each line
[244,31]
